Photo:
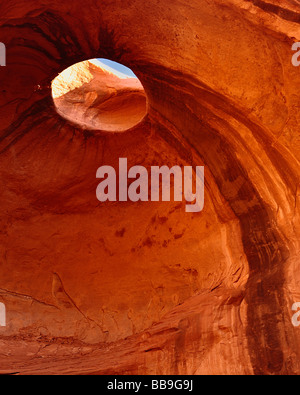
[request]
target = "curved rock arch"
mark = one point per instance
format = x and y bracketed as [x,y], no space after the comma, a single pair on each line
[222,91]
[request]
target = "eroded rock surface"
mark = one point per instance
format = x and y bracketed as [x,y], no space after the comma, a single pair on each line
[145,287]
[94,98]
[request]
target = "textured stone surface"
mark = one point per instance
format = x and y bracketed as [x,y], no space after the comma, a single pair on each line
[146,288]
[93,98]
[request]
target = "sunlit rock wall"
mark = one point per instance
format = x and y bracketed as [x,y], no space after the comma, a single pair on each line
[145,287]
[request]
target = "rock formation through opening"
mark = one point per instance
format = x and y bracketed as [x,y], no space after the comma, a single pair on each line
[145,288]
[97,98]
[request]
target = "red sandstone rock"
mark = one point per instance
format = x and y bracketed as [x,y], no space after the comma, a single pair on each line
[147,288]
[96,99]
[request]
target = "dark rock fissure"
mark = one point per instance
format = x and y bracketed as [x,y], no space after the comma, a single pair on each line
[265,249]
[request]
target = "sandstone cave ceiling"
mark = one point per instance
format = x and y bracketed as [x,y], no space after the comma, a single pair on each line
[145,288]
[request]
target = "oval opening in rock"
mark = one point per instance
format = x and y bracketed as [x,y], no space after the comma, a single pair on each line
[100,95]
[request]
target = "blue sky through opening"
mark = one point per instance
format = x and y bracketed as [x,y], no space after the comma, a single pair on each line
[118,67]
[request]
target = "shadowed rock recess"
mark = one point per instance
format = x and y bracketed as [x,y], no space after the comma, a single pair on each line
[146,288]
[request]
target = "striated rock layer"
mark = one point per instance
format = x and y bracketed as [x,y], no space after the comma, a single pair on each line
[145,287]
[94,98]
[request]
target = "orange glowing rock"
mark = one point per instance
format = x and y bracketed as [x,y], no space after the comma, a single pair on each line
[134,288]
